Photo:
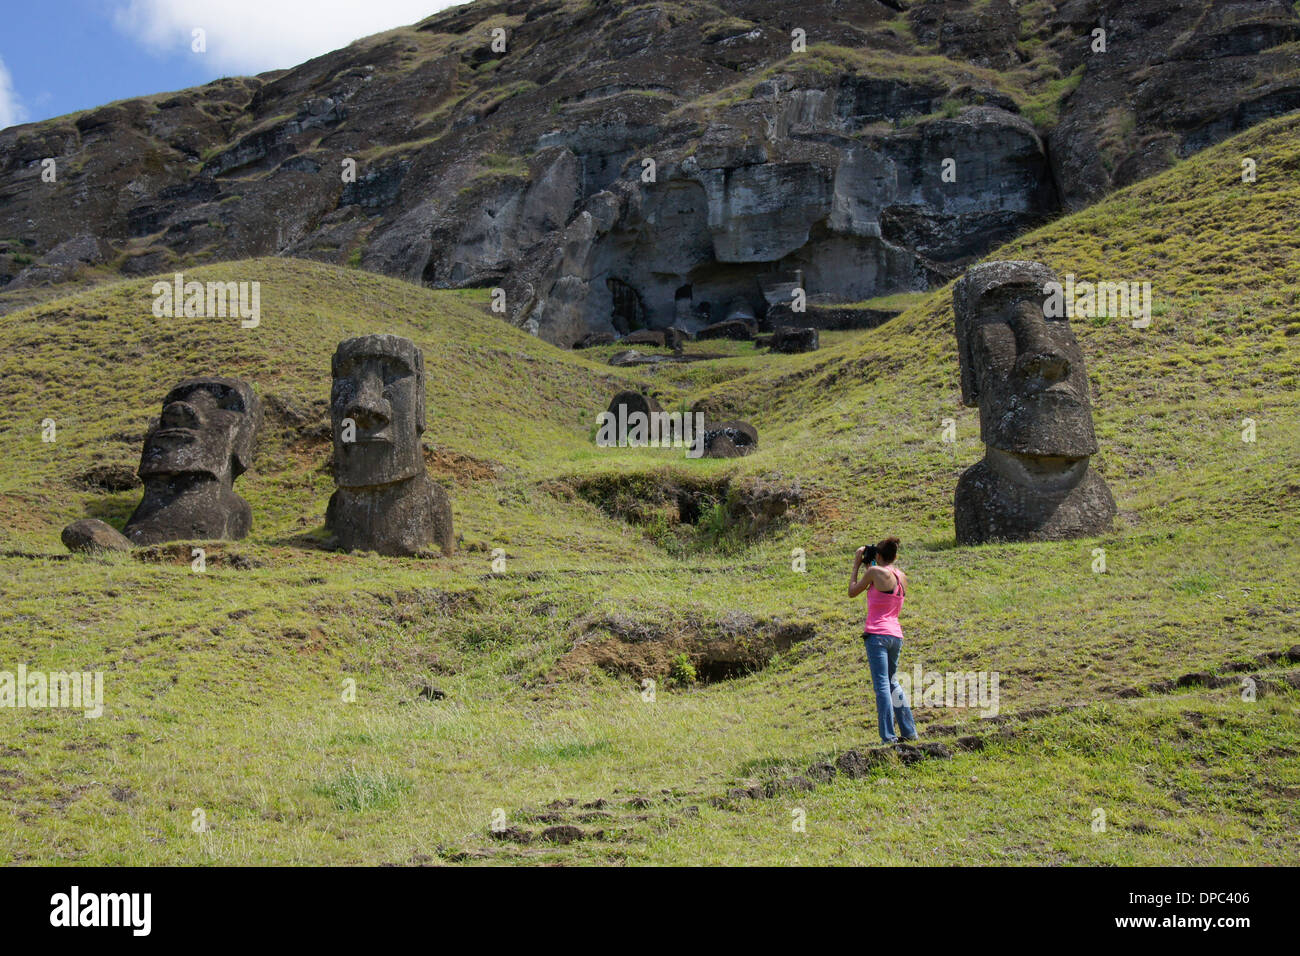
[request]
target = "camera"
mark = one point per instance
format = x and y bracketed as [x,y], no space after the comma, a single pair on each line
[869,554]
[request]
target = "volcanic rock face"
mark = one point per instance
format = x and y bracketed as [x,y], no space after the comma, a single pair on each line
[385,501]
[630,165]
[857,218]
[1174,79]
[1026,373]
[201,443]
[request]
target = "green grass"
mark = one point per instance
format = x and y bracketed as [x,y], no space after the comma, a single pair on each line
[227,691]
[361,792]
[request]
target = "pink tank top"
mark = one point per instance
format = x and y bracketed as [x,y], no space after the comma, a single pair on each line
[882,608]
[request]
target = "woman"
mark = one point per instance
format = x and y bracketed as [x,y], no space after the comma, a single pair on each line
[886,587]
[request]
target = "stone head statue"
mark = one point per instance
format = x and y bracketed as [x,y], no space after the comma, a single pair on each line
[1026,373]
[385,501]
[378,388]
[202,442]
[208,426]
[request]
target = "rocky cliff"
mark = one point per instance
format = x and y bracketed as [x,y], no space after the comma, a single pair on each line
[621,165]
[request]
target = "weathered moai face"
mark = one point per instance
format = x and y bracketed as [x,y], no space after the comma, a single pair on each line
[208,426]
[1024,370]
[378,389]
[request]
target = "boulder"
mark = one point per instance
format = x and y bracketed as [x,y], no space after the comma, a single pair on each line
[731,329]
[90,535]
[664,338]
[644,337]
[635,402]
[790,340]
[730,439]
[593,339]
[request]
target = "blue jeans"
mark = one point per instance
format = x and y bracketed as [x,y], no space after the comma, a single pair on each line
[891,702]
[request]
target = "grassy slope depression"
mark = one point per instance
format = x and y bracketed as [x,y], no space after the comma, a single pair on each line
[224,690]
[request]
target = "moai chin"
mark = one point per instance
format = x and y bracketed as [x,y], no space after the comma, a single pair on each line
[201,443]
[1025,370]
[385,501]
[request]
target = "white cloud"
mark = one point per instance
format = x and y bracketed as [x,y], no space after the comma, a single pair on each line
[11,107]
[251,36]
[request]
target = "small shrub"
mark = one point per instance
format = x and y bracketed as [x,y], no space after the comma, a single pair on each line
[682,672]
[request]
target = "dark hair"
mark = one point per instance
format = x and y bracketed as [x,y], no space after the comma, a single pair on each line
[887,550]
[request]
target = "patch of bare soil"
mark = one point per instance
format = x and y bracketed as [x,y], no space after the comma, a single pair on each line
[215,555]
[463,469]
[702,510]
[107,478]
[731,646]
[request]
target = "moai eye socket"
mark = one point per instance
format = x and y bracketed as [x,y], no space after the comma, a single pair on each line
[394,370]
[232,401]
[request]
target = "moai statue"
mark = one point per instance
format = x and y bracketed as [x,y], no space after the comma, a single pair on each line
[1026,373]
[385,501]
[192,455]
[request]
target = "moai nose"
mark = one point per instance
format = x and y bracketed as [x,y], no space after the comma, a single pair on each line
[368,408]
[180,415]
[1050,366]
[1038,356]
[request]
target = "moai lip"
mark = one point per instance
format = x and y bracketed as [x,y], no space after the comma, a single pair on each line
[1026,373]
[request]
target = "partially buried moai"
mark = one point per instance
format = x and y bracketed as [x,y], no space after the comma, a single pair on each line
[202,442]
[1025,370]
[385,501]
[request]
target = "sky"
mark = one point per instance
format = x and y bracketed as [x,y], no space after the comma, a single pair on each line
[60,56]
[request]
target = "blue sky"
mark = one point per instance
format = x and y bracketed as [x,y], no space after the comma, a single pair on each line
[60,56]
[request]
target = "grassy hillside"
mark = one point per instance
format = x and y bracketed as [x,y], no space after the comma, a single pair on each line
[225,690]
